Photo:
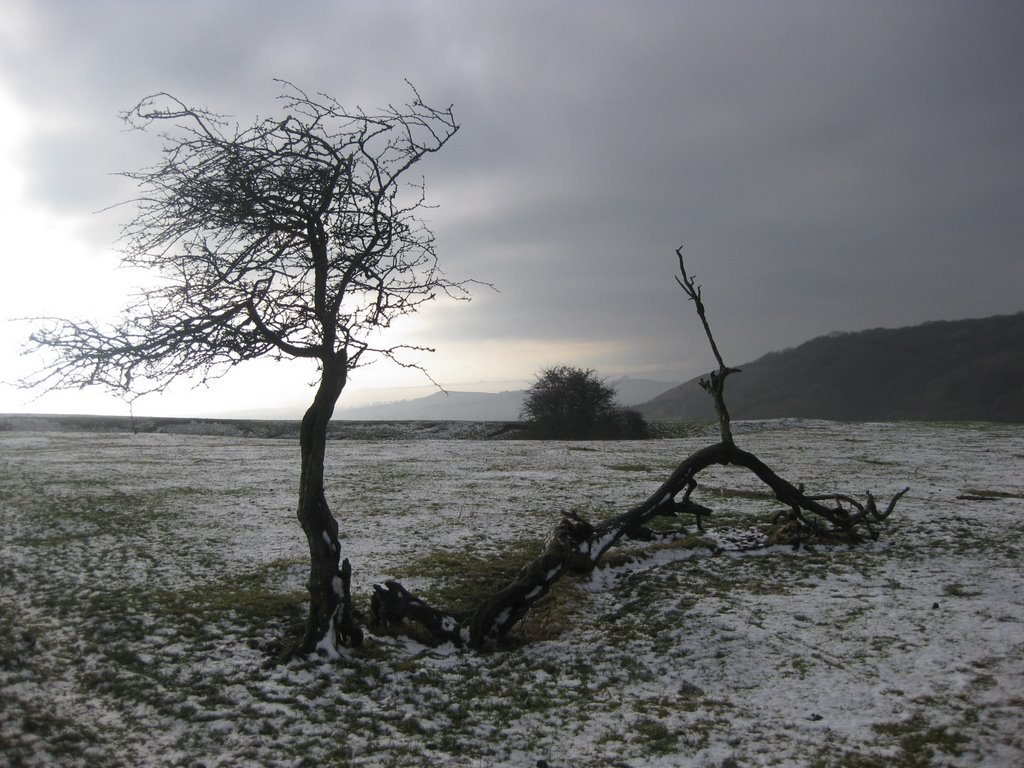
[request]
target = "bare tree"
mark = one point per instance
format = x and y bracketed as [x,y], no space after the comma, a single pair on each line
[296,237]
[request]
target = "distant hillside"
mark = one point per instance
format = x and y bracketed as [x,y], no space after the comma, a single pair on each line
[946,370]
[451,406]
[484,406]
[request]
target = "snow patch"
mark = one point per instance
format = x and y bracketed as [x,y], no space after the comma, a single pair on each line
[328,645]
[808,652]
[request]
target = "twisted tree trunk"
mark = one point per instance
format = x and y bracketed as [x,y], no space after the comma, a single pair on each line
[330,624]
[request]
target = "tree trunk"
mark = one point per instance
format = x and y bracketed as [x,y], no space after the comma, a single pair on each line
[330,624]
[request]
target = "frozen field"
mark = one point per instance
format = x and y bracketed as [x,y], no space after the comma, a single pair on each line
[145,578]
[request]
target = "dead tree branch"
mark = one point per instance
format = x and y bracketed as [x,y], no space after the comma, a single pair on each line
[578,546]
[714,385]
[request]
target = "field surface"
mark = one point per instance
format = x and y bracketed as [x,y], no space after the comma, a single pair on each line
[147,579]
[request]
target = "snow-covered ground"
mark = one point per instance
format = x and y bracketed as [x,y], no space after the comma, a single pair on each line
[143,579]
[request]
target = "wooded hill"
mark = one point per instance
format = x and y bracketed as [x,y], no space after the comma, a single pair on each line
[964,370]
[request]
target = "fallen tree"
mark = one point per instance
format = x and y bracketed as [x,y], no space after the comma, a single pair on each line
[577,546]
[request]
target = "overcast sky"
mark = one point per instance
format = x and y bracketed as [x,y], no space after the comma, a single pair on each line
[827,166]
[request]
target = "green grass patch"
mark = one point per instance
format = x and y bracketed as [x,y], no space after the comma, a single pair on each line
[461,580]
[739,493]
[956,589]
[921,743]
[254,598]
[251,602]
[655,736]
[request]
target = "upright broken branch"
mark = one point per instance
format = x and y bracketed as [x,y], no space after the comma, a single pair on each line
[714,385]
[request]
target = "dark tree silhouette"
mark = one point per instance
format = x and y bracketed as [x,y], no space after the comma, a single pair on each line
[567,402]
[296,237]
[574,404]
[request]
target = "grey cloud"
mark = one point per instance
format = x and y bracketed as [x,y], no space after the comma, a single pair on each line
[828,166]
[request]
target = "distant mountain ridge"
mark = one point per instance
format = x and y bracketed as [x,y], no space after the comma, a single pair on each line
[962,370]
[483,406]
[445,406]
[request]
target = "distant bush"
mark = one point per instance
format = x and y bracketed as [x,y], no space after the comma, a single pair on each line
[568,403]
[627,424]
